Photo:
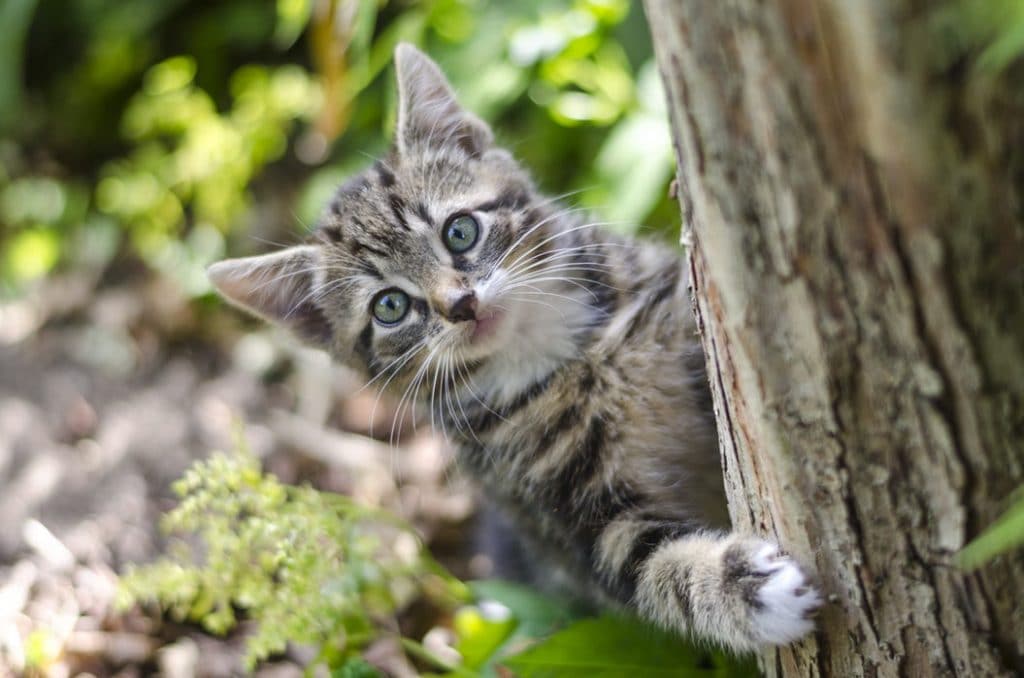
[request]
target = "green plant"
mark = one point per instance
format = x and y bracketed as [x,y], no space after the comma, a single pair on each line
[314,568]
[310,567]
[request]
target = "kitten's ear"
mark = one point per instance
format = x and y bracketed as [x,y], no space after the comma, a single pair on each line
[428,113]
[278,287]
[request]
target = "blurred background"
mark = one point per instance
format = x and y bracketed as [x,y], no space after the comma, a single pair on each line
[139,142]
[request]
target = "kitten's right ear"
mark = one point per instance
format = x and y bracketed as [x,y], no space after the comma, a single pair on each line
[428,113]
[279,287]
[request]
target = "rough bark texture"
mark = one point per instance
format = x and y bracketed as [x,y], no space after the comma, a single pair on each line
[853,210]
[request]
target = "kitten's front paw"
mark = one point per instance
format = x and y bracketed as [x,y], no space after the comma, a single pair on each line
[785,601]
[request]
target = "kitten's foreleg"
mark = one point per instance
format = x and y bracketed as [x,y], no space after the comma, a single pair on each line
[741,592]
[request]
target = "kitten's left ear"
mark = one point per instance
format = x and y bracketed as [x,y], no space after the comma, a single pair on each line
[278,287]
[428,114]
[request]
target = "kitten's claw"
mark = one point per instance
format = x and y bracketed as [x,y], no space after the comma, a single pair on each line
[787,598]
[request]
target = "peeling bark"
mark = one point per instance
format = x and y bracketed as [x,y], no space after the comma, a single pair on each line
[853,207]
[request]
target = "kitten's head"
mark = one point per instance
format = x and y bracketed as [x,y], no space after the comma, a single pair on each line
[439,257]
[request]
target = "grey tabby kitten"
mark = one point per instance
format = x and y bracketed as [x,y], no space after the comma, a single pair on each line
[561,360]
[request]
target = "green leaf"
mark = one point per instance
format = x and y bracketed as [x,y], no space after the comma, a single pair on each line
[613,647]
[1004,534]
[1007,46]
[537,614]
[507,618]
[480,636]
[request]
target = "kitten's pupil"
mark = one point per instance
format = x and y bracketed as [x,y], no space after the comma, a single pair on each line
[461,233]
[390,306]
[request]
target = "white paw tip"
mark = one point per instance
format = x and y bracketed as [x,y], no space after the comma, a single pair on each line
[787,598]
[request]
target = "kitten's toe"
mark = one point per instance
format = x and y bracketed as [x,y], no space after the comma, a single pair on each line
[786,598]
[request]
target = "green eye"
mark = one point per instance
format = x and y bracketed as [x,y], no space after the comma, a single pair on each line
[460,233]
[390,306]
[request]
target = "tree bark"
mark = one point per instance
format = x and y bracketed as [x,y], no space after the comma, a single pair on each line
[852,205]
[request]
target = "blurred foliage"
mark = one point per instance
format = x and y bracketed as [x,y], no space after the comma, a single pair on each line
[171,131]
[313,568]
[174,130]
[992,28]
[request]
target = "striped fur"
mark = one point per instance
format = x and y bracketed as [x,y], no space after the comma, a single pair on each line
[583,410]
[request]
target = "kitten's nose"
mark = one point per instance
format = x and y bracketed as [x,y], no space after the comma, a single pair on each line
[463,309]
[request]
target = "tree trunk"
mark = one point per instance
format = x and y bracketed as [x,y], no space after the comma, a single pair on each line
[852,206]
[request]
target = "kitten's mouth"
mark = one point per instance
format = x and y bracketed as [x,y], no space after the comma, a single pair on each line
[486,326]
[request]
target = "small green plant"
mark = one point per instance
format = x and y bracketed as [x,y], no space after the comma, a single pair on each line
[309,567]
[317,569]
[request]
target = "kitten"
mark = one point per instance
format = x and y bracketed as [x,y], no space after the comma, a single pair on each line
[563,362]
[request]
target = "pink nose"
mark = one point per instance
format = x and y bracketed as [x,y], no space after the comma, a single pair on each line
[463,309]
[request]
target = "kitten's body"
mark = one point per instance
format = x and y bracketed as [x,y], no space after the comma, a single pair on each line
[563,361]
[587,457]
